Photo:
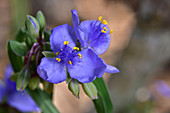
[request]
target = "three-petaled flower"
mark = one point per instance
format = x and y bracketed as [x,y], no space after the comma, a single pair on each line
[84,65]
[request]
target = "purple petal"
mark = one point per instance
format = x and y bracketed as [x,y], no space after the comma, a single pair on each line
[98,41]
[33,24]
[89,67]
[60,34]
[111,69]
[52,70]
[77,29]
[2,91]
[22,101]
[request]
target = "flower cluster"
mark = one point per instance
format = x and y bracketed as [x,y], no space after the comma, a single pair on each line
[19,100]
[78,57]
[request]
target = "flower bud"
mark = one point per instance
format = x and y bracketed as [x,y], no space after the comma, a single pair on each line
[34,82]
[74,87]
[90,90]
[32,26]
[41,20]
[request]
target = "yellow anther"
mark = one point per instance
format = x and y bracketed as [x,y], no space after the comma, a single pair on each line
[100,18]
[103,31]
[58,59]
[66,42]
[69,62]
[105,28]
[79,55]
[111,31]
[104,22]
[57,53]
[76,48]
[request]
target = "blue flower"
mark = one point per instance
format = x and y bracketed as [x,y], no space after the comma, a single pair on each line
[19,100]
[83,65]
[94,35]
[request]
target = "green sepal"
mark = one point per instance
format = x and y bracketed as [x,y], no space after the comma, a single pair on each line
[41,20]
[21,35]
[18,48]
[103,104]
[48,87]
[49,54]
[14,77]
[34,82]
[16,61]
[47,46]
[23,78]
[73,86]
[32,25]
[47,34]
[90,90]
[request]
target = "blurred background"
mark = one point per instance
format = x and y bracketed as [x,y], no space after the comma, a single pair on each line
[140,48]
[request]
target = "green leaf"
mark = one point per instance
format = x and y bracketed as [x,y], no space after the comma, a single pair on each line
[18,48]
[49,54]
[16,61]
[73,86]
[103,104]
[90,90]
[43,101]
[23,78]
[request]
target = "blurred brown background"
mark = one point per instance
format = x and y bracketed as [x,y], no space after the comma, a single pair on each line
[140,48]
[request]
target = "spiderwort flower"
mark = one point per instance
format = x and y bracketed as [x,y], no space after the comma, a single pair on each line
[19,100]
[94,35]
[83,65]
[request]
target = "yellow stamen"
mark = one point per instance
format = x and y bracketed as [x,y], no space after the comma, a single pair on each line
[66,42]
[105,28]
[104,22]
[111,31]
[79,55]
[103,31]
[57,53]
[76,48]
[58,59]
[100,18]
[69,62]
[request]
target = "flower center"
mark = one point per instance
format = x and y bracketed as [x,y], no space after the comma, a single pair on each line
[68,55]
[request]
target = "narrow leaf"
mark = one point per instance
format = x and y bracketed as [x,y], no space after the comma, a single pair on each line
[49,54]
[47,34]
[43,101]
[18,48]
[103,104]
[20,37]
[90,90]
